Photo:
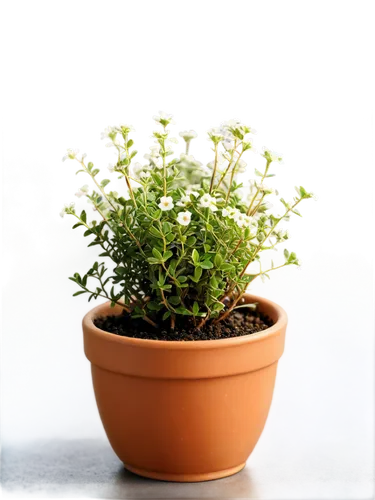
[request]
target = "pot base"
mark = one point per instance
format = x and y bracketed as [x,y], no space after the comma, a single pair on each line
[186,478]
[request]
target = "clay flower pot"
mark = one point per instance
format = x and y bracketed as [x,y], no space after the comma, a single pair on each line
[184,411]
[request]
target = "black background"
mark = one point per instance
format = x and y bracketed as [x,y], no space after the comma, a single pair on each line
[333,148]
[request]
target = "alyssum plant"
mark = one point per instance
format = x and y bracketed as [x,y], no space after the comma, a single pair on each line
[181,237]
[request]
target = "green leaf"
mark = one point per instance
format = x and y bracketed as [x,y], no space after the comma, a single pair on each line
[184,311]
[174,300]
[195,308]
[133,154]
[167,227]
[166,315]
[157,254]
[213,282]
[172,267]
[105,182]
[170,237]
[104,254]
[130,143]
[290,256]
[218,260]
[167,255]
[161,280]
[227,267]
[195,256]
[139,312]
[83,216]
[153,261]
[155,232]
[218,306]
[251,306]
[197,273]
[303,192]
[79,293]
[297,214]
[191,241]
[93,244]
[207,264]
[153,306]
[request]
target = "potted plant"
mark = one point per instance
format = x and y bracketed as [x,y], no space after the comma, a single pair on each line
[183,359]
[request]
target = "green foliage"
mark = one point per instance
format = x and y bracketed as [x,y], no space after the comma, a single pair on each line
[171,246]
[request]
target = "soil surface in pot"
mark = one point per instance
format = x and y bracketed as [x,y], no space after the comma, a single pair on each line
[238,323]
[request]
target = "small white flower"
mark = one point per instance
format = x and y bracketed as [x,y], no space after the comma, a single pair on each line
[155,151]
[154,156]
[184,201]
[82,191]
[144,175]
[158,165]
[194,193]
[271,155]
[206,200]
[164,115]
[166,203]
[252,222]
[66,209]
[268,205]
[215,135]
[228,144]
[109,165]
[189,160]
[188,135]
[232,123]
[61,211]
[242,220]
[266,189]
[225,212]
[137,167]
[184,158]
[234,213]
[184,218]
[154,161]
[257,215]
[111,132]
[241,166]
[163,118]
[74,150]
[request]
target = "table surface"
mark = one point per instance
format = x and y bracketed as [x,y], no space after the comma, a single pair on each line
[318,441]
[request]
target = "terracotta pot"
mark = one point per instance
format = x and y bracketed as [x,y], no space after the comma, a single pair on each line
[184,411]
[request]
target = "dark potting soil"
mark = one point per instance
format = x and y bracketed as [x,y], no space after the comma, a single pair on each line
[238,323]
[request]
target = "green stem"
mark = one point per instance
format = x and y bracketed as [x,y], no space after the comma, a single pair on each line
[215,168]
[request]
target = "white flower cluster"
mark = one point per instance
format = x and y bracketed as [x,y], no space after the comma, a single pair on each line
[73,154]
[208,201]
[154,157]
[188,135]
[185,200]
[241,219]
[67,209]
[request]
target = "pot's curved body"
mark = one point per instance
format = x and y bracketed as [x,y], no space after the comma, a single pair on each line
[184,411]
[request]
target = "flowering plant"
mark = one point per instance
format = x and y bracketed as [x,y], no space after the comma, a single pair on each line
[182,237]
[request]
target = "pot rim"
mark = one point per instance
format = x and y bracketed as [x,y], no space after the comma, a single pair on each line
[101,309]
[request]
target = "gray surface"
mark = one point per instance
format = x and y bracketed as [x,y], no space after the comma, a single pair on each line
[318,442]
